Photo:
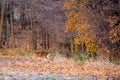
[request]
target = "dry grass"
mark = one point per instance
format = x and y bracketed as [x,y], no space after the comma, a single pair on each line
[14,52]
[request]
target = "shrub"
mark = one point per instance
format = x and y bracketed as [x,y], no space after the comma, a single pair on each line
[82,58]
[48,78]
[115,62]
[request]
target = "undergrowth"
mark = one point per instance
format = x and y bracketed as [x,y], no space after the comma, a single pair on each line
[116,62]
[82,58]
[15,52]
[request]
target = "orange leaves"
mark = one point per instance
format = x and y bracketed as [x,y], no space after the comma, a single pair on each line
[70,14]
[66,67]
[76,41]
[70,24]
[82,29]
[69,4]
[79,21]
[115,34]
[73,22]
[76,18]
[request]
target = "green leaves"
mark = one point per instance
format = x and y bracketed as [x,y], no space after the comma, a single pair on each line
[80,79]
[48,78]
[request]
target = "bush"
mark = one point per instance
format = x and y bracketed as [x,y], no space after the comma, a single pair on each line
[82,58]
[115,62]
[15,52]
[80,79]
[48,78]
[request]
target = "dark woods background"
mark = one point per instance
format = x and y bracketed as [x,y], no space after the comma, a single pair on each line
[32,25]
[37,25]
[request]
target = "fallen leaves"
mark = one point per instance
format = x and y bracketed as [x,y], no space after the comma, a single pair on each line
[22,64]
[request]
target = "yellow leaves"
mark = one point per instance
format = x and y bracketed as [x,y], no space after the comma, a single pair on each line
[91,48]
[76,41]
[78,21]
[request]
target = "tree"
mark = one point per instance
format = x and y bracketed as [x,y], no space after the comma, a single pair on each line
[91,20]
[79,21]
[2,19]
[32,25]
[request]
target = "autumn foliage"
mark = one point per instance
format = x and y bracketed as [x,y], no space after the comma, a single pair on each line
[94,25]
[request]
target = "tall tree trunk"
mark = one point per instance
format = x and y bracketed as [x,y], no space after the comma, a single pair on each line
[12,30]
[2,20]
[34,38]
[43,38]
[48,40]
[71,46]
[76,48]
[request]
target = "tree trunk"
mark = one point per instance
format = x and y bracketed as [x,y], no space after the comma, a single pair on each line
[72,46]
[34,38]
[76,48]
[46,43]
[12,30]
[43,39]
[2,20]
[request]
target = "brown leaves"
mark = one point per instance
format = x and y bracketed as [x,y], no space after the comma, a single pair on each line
[67,67]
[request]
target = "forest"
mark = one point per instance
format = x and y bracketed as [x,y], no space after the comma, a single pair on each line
[61,31]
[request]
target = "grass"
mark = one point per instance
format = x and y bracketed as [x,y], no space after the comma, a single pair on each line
[52,54]
[48,78]
[15,52]
[115,62]
[82,58]
[80,79]
[41,50]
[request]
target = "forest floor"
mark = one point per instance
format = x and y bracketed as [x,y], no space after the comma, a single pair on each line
[87,70]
